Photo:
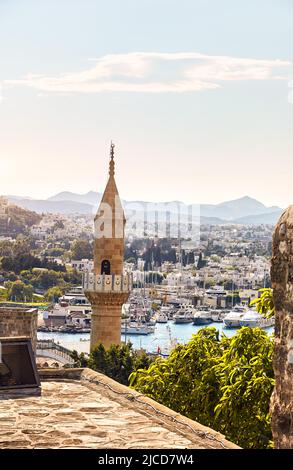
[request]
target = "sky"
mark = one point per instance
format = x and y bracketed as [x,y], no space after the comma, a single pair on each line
[197,96]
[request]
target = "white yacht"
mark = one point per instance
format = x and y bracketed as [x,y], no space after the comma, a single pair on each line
[184,315]
[162,317]
[218,315]
[134,328]
[254,319]
[232,319]
[202,316]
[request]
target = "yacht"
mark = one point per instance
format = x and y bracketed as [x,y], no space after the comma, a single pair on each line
[184,315]
[202,316]
[162,317]
[232,319]
[254,319]
[134,328]
[152,321]
[218,315]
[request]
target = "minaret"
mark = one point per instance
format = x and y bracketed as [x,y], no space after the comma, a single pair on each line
[107,288]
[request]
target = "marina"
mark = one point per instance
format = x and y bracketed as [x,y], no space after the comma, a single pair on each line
[163,337]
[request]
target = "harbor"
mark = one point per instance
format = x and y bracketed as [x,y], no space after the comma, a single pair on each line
[163,337]
[153,320]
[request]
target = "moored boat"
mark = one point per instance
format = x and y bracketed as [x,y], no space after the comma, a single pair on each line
[162,317]
[136,329]
[202,316]
[184,315]
[232,319]
[254,319]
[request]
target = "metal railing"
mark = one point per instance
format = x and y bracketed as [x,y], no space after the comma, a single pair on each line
[45,344]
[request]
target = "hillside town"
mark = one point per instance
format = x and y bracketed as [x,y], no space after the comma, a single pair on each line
[226,257]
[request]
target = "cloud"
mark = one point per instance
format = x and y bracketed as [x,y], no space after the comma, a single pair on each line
[157,72]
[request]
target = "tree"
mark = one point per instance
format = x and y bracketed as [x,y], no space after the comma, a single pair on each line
[53,294]
[80,360]
[201,262]
[190,257]
[59,224]
[3,293]
[48,278]
[117,362]
[20,292]
[265,303]
[6,248]
[82,249]
[20,262]
[210,282]
[225,383]
[131,260]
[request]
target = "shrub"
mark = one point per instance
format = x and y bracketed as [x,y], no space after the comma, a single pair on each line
[225,383]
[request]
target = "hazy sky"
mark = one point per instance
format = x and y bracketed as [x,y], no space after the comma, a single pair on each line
[194,93]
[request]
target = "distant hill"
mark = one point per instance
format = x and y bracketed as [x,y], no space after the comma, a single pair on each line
[235,209]
[17,219]
[271,218]
[61,207]
[244,210]
[90,198]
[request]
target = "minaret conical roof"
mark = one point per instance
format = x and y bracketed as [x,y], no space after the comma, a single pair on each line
[111,195]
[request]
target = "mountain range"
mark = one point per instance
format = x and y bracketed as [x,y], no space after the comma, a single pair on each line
[245,210]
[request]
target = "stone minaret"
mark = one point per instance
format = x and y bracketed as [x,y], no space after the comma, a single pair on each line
[107,288]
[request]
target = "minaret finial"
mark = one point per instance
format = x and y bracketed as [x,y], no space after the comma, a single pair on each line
[112,163]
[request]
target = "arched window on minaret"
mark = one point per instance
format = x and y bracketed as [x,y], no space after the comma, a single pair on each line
[106,267]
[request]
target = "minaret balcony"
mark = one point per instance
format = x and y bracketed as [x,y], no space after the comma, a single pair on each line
[107,283]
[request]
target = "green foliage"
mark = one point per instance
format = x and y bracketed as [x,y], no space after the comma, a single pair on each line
[117,362]
[42,278]
[131,260]
[18,220]
[56,252]
[6,248]
[21,262]
[53,294]
[80,360]
[3,294]
[82,249]
[59,224]
[224,383]
[19,292]
[20,256]
[265,303]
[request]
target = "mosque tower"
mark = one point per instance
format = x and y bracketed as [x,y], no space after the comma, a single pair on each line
[107,287]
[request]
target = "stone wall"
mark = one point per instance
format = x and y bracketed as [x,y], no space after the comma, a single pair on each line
[282,283]
[19,322]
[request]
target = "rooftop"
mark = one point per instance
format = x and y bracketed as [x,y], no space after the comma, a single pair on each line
[80,408]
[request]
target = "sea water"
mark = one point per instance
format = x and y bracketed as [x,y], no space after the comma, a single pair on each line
[161,338]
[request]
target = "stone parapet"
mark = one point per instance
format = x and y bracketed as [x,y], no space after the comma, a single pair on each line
[107,283]
[19,322]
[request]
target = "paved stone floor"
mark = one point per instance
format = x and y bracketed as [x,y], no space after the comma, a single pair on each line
[70,414]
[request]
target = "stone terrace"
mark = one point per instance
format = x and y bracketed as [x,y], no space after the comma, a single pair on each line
[79,408]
